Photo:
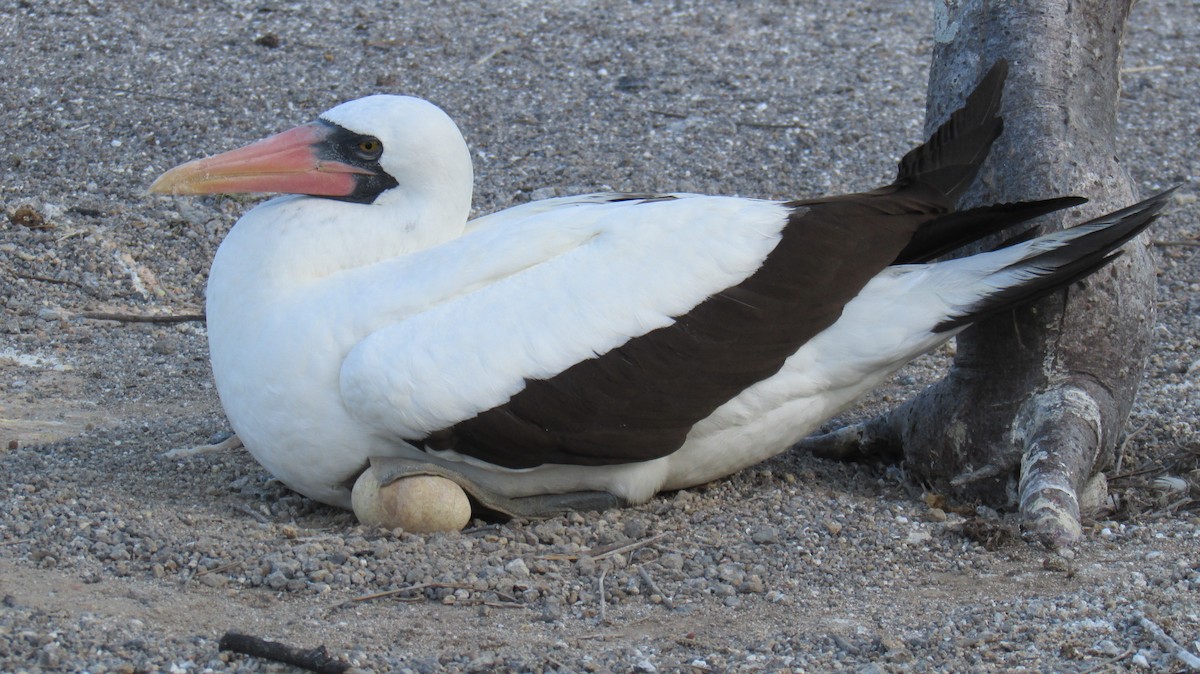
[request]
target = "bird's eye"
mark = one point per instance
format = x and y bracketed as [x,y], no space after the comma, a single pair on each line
[368,148]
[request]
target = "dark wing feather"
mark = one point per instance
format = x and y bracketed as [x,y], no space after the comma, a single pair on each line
[639,401]
[960,228]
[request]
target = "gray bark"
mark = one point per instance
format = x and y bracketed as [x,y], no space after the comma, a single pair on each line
[1036,399]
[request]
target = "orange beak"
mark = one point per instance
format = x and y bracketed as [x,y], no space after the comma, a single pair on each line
[289,162]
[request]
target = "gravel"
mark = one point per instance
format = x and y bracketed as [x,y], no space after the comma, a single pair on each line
[114,558]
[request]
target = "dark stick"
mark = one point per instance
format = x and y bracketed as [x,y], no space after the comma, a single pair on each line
[146,94]
[142,318]
[313,659]
[47,279]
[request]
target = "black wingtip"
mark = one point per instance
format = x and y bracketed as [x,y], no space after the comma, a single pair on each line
[956,229]
[951,158]
[1071,262]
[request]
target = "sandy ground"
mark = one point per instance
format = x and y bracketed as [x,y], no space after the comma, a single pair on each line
[114,558]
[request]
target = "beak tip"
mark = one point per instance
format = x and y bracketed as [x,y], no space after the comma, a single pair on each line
[173,182]
[161,184]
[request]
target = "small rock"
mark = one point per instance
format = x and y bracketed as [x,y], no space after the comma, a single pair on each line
[631,83]
[586,565]
[28,216]
[917,537]
[636,528]
[895,649]
[213,580]
[753,585]
[49,656]
[672,561]
[987,513]
[517,568]
[163,347]
[644,665]
[731,573]
[552,611]
[219,437]
[765,535]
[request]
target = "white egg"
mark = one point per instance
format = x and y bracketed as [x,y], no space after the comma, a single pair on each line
[419,504]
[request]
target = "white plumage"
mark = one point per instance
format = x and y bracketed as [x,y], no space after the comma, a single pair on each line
[364,321]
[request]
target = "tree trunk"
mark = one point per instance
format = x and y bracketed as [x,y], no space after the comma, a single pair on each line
[1036,399]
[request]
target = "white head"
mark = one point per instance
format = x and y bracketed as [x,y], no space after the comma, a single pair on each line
[422,148]
[393,151]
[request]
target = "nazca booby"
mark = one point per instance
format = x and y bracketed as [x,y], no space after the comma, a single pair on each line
[583,351]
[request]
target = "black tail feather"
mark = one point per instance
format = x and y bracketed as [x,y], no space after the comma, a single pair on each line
[1068,263]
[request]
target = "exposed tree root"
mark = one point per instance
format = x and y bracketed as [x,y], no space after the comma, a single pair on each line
[1030,412]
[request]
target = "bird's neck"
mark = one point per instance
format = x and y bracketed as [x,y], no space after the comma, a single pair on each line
[295,240]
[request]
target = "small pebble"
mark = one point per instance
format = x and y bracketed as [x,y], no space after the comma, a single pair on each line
[765,535]
[517,568]
[636,528]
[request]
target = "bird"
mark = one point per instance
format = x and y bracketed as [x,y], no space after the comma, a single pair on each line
[589,351]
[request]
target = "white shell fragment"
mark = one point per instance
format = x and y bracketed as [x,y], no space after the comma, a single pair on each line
[1171,484]
[418,504]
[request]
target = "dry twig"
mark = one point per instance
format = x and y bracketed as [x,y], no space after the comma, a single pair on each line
[142,318]
[645,575]
[624,548]
[1141,69]
[601,635]
[1111,661]
[1125,445]
[504,604]
[47,279]
[600,553]
[668,113]
[219,569]
[1182,654]
[771,125]
[404,590]
[502,49]
[262,519]
[158,97]
[603,603]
